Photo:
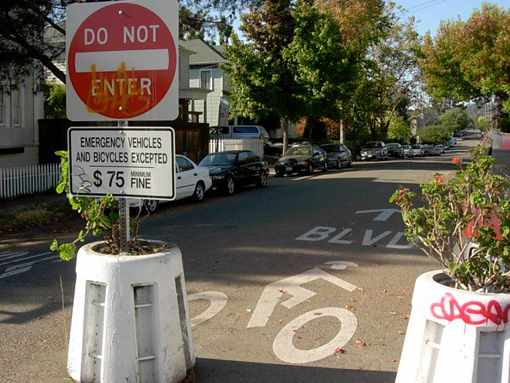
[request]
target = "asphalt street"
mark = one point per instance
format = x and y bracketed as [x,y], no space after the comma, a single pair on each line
[309,279]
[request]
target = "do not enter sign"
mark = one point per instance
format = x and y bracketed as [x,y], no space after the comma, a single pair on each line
[122,60]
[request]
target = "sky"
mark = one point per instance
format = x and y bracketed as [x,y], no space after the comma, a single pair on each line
[429,13]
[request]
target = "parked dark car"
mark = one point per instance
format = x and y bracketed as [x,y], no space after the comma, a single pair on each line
[302,157]
[339,155]
[234,168]
[374,149]
[395,150]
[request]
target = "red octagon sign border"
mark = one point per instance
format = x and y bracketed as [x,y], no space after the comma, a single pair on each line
[112,87]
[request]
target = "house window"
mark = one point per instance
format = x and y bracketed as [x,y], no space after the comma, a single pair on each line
[15,107]
[205,79]
[2,106]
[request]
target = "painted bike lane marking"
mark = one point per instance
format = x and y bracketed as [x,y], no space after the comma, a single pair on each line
[19,263]
[283,344]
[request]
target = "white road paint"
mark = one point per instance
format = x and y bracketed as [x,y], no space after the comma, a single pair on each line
[384,214]
[341,265]
[301,178]
[218,301]
[369,237]
[24,259]
[368,240]
[19,264]
[396,239]
[10,255]
[283,345]
[291,286]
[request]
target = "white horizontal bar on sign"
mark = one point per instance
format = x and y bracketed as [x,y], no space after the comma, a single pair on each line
[111,61]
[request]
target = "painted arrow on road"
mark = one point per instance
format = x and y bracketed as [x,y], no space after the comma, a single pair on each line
[383,215]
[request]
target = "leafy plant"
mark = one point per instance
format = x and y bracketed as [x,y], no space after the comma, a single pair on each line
[101,217]
[464,223]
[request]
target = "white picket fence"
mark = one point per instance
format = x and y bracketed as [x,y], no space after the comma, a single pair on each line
[253,144]
[28,179]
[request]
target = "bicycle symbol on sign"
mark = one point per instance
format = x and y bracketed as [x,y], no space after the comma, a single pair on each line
[283,346]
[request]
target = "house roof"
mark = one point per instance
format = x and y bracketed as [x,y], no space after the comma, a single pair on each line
[203,54]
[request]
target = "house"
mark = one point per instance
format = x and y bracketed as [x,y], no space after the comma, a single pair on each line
[20,109]
[205,74]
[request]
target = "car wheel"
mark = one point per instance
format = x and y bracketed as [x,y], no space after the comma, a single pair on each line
[262,182]
[310,168]
[325,168]
[230,186]
[151,205]
[199,193]
[349,164]
[339,164]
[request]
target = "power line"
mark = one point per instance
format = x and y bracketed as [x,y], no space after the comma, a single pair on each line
[424,5]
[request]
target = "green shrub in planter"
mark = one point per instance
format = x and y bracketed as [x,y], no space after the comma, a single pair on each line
[464,223]
[101,219]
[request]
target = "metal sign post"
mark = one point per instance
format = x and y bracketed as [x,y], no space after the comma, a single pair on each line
[124,220]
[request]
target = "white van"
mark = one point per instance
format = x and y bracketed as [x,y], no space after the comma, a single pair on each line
[239,131]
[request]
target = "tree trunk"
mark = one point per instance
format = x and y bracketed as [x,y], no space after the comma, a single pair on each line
[285,134]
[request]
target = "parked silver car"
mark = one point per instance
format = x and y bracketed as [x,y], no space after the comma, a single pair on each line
[417,150]
[339,155]
[374,149]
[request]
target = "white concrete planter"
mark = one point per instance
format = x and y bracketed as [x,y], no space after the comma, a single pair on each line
[455,336]
[130,319]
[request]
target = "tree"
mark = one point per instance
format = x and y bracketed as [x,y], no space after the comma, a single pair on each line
[392,72]
[399,130]
[455,120]
[54,100]
[323,66]
[362,21]
[469,60]
[434,134]
[261,80]
[24,23]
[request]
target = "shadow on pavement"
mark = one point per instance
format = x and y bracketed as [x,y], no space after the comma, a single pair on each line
[227,371]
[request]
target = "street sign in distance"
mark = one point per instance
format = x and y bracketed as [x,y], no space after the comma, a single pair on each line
[128,162]
[121,61]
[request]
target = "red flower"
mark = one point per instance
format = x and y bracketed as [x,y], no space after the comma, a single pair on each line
[455,160]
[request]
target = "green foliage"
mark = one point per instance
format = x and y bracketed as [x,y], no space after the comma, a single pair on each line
[464,223]
[434,134]
[260,79]
[54,100]
[468,60]
[399,130]
[455,120]
[482,123]
[101,216]
[321,63]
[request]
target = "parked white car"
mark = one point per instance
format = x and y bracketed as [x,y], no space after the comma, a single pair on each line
[418,150]
[191,181]
[239,132]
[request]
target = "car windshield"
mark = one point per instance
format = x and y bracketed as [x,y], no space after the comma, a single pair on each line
[372,145]
[299,151]
[331,148]
[219,159]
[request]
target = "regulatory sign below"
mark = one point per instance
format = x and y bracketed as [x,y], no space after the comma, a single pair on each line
[128,162]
